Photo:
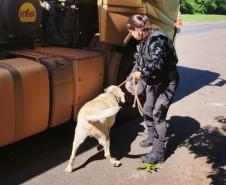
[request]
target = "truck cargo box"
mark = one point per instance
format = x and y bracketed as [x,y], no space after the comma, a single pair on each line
[88,73]
[7,108]
[113,18]
[31,97]
[61,84]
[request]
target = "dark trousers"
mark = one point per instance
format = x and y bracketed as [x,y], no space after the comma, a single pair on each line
[158,99]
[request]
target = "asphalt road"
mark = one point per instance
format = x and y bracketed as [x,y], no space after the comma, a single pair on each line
[204,27]
[196,148]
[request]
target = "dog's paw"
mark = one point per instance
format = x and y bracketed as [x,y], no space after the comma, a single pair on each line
[115,163]
[69,169]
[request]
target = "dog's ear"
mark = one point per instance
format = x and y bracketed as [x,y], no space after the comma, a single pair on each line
[119,94]
[109,88]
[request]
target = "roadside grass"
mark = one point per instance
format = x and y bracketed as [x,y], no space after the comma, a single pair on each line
[187,18]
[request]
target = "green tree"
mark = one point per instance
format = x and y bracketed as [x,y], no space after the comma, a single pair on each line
[203,6]
[221,7]
[187,6]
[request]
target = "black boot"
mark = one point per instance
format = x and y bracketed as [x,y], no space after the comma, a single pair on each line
[147,142]
[153,157]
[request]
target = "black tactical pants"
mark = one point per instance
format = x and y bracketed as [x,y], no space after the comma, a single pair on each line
[158,99]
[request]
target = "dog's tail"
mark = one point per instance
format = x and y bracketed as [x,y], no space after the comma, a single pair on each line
[102,115]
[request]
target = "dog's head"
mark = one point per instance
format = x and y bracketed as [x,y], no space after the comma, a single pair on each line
[117,92]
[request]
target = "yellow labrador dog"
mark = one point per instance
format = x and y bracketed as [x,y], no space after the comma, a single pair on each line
[95,119]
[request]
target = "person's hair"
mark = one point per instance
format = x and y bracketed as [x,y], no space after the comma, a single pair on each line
[139,21]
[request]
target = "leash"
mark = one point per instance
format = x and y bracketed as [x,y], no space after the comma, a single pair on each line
[124,81]
[136,98]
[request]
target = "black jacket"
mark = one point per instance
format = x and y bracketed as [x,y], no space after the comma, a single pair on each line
[156,58]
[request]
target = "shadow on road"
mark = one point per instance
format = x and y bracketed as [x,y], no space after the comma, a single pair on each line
[124,137]
[210,142]
[180,129]
[192,80]
[32,156]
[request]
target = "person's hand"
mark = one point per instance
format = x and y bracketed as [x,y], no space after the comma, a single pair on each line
[136,76]
[128,86]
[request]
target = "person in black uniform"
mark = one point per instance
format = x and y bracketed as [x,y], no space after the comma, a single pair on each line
[155,63]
